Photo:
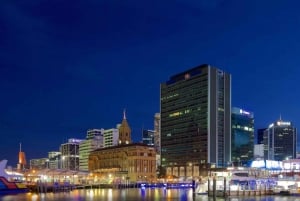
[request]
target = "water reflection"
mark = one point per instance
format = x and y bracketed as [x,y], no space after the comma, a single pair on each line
[148,194]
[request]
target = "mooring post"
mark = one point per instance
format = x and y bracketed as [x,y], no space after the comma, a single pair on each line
[214,187]
[224,193]
[208,187]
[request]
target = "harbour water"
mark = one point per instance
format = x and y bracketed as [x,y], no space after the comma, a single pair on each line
[134,194]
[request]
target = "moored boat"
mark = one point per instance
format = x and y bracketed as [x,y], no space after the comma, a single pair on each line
[9,187]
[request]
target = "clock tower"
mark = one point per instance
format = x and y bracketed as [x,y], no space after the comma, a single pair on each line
[124,131]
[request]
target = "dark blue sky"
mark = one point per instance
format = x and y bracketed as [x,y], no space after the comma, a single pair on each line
[67,66]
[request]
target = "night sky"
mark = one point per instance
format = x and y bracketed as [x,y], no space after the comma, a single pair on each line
[67,66]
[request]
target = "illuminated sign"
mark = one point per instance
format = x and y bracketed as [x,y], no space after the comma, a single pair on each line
[282,123]
[267,164]
[258,164]
[73,140]
[244,112]
[295,165]
[273,164]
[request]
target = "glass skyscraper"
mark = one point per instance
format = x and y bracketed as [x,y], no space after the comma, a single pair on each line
[195,121]
[70,154]
[242,137]
[260,135]
[280,141]
[148,137]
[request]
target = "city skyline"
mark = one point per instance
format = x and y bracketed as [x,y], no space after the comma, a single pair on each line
[66,67]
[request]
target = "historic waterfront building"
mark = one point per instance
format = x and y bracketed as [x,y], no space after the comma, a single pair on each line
[195,110]
[125,162]
[280,141]
[242,136]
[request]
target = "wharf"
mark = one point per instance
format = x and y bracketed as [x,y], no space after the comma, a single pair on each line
[50,187]
[64,187]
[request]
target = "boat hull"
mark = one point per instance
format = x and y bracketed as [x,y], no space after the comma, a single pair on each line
[13,191]
[8,187]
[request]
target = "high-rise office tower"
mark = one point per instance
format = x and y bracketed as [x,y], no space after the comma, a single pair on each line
[54,160]
[258,152]
[280,141]
[39,163]
[70,154]
[94,140]
[157,132]
[260,135]
[157,141]
[111,136]
[195,121]
[148,137]
[242,136]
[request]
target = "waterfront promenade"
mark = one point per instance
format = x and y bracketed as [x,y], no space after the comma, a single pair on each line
[137,194]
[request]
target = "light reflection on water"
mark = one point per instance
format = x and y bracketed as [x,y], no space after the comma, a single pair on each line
[157,194]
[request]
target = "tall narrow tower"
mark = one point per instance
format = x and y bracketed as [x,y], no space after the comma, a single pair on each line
[22,159]
[124,131]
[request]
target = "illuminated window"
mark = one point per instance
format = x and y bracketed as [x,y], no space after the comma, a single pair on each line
[175,114]
[221,109]
[187,111]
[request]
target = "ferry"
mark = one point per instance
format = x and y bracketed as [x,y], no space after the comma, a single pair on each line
[7,186]
[166,185]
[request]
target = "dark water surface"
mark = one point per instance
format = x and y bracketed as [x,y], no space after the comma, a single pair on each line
[158,194]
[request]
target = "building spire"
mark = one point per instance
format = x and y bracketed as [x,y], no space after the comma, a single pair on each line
[20,146]
[124,131]
[124,113]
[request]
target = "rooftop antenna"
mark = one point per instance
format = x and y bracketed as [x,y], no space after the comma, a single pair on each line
[142,131]
[280,117]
